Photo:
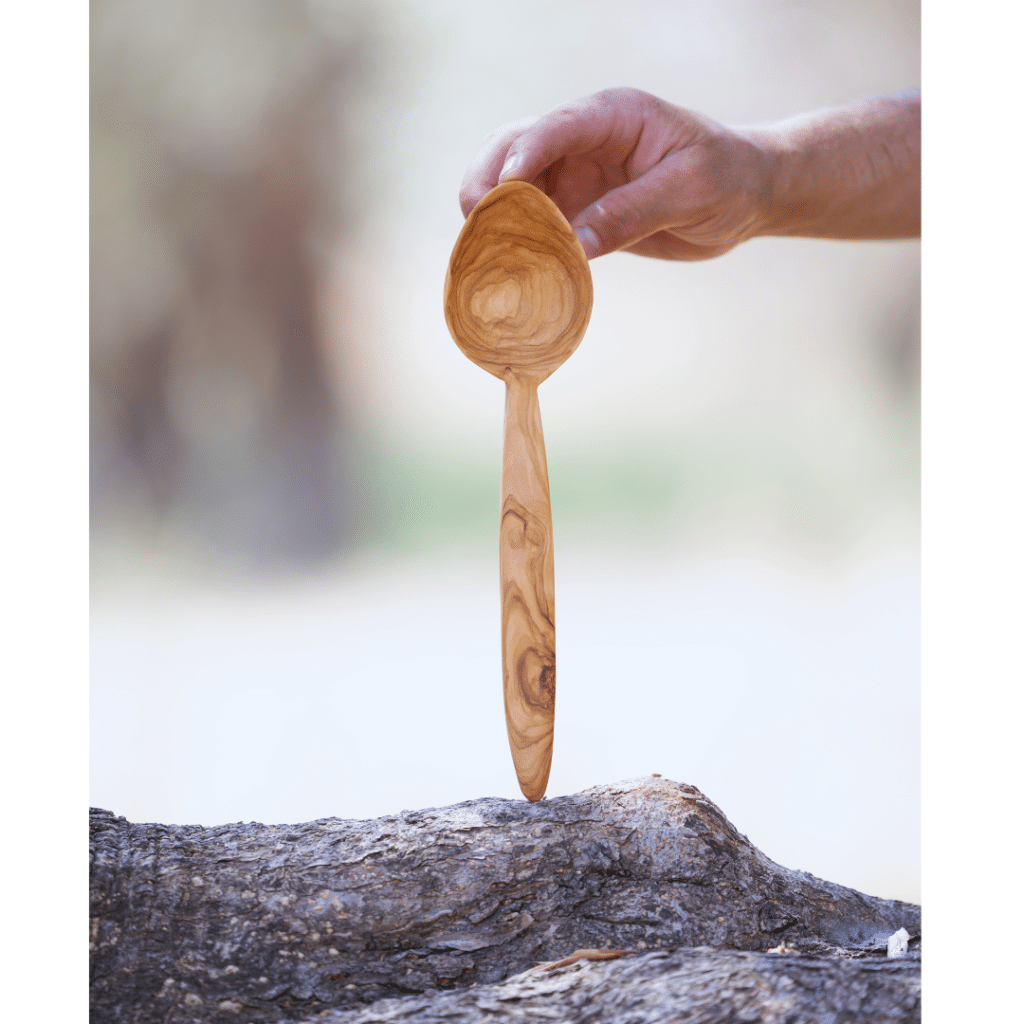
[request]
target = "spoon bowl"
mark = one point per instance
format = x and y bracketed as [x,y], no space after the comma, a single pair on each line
[518,293]
[517,300]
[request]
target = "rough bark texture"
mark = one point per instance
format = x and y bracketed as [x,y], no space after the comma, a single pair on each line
[696,986]
[261,923]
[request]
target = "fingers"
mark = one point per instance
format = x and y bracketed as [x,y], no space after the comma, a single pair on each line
[626,169]
[609,121]
[482,174]
[625,216]
[606,125]
[664,245]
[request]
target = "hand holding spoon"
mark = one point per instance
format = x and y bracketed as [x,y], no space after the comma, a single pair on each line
[517,299]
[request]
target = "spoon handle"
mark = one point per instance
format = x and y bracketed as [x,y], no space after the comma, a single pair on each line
[527,590]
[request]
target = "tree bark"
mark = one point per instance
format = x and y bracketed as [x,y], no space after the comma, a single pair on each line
[260,923]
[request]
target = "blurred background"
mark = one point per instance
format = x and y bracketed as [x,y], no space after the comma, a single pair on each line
[295,471]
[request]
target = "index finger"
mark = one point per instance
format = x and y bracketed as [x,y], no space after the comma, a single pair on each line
[612,120]
[482,174]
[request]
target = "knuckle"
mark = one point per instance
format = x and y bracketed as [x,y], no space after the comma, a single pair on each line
[567,111]
[626,96]
[468,198]
[613,223]
[510,130]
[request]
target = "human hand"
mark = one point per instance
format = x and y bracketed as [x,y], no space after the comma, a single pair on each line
[630,171]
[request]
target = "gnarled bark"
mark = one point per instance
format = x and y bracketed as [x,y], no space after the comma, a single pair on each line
[261,923]
[698,986]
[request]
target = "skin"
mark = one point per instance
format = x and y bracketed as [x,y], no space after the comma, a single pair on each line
[632,172]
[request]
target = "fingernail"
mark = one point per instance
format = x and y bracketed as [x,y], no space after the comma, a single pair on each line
[511,166]
[589,240]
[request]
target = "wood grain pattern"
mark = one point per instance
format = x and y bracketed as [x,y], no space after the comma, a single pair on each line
[527,568]
[517,301]
[518,292]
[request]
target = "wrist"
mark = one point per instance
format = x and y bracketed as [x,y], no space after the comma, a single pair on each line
[780,207]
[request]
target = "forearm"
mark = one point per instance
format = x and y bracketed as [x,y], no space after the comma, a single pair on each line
[850,172]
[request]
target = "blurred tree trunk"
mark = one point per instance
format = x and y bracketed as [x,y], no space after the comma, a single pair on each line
[439,907]
[216,198]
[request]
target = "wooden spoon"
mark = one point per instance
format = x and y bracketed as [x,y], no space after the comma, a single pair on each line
[517,299]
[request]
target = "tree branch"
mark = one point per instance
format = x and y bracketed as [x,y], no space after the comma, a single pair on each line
[267,923]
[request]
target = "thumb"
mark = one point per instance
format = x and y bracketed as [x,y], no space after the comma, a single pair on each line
[628,214]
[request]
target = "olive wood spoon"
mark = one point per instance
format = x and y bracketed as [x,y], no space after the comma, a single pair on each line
[517,299]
